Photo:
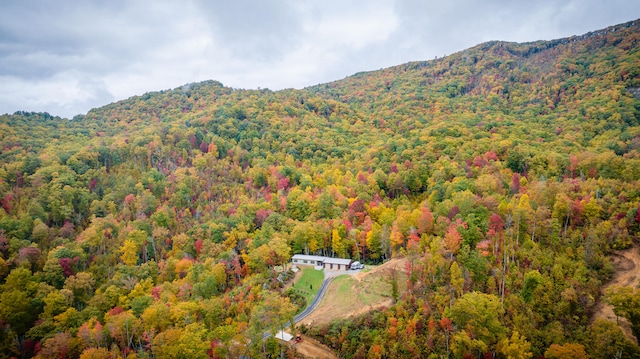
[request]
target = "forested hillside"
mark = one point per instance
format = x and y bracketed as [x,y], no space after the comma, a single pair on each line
[507,173]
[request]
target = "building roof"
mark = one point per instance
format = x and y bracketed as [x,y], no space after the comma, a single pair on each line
[342,261]
[305,257]
[328,260]
[284,336]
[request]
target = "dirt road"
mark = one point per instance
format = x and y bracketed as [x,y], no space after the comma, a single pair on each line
[312,349]
[627,274]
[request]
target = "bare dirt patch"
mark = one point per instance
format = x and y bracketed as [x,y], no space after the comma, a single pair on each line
[310,348]
[359,293]
[627,274]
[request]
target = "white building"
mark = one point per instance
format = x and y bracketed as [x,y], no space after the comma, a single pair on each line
[321,262]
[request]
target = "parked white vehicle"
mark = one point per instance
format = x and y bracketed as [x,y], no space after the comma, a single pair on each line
[356,265]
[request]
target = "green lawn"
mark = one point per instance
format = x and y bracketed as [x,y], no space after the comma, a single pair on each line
[309,283]
[345,285]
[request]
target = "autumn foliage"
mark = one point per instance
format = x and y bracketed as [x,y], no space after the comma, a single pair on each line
[161,225]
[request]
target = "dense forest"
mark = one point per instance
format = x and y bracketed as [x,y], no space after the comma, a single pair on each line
[156,227]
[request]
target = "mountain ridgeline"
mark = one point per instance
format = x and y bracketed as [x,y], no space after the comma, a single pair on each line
[507,173]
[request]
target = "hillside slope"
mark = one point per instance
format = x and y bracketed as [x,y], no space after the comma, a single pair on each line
[507,173]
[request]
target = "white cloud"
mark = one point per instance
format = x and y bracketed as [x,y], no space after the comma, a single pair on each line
[59,94]
[354,30]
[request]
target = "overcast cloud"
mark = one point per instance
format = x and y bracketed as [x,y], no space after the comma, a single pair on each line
[65,57]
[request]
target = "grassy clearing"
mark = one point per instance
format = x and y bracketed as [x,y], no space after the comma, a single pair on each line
[348,292]
[345,284]
[309,283]
[375,289]
[351,295]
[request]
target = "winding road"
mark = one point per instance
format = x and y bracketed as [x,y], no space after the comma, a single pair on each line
[315,302]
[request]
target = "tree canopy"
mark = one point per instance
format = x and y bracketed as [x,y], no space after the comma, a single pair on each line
[158,225]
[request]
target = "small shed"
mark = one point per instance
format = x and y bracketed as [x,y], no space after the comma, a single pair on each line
[284,336]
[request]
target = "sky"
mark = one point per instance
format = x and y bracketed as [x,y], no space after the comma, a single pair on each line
[66,57]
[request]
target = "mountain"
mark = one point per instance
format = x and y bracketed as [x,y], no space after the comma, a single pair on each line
[507,173]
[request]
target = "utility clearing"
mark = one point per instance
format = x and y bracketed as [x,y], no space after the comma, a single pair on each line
[356,293]
[627,274]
